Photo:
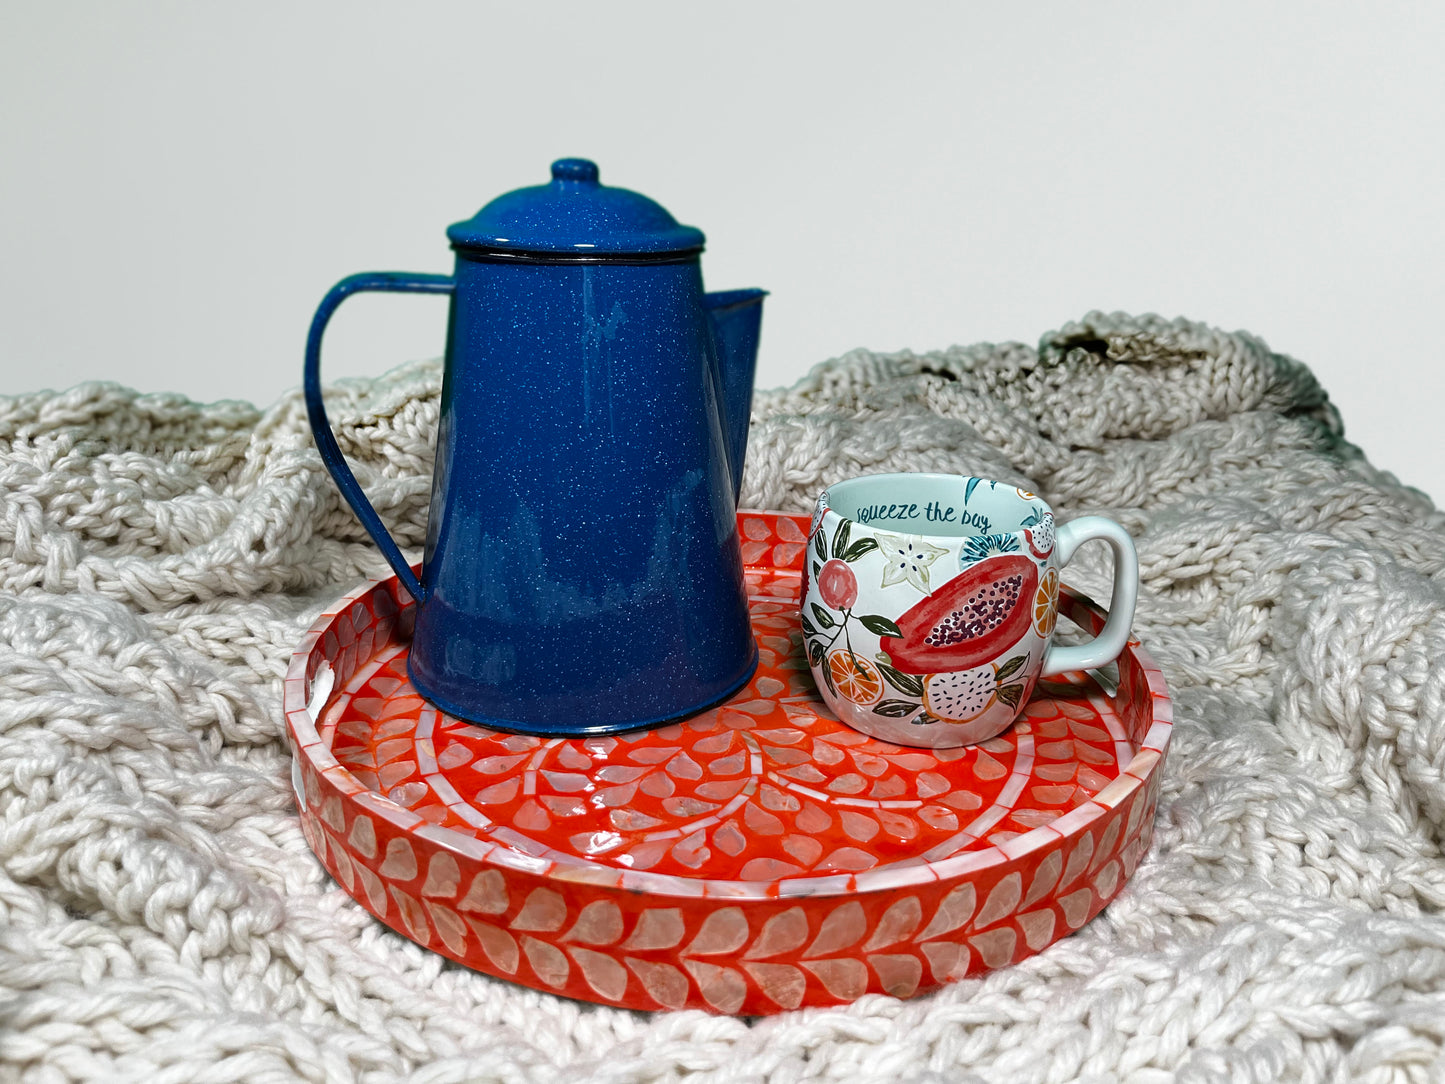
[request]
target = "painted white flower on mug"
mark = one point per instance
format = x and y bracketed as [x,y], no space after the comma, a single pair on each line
[908,558]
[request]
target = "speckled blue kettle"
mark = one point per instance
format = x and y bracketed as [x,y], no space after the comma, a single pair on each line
[582,571]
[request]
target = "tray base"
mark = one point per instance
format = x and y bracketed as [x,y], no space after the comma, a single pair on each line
[756,857]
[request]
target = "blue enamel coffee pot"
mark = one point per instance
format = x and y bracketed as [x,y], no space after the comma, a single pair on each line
[582,571]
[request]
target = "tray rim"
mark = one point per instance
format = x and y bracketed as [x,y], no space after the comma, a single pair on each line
[306,741]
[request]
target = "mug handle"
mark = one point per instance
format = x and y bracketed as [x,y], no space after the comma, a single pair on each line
[400,282]
[1114,636]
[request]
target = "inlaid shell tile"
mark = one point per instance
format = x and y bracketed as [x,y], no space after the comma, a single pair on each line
[657,928]
[598,923]
[443,876]
[547,961]
[722,988]
[603,973]
[898,973]
[1037,927]
[487,895]
[844,927]
[898,922]
[955,909]
[844,977]
[400,862]
[783,932]
[782,984]
[543,910]
[1001,900]
[665,984]
[995,947]
[448,925]
[499,946]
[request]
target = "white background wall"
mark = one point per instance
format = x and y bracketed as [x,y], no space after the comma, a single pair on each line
[180,183]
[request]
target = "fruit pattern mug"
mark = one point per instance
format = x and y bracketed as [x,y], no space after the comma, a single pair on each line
[930,600]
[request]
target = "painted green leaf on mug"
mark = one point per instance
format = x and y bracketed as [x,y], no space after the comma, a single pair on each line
[904,683]
[1008,669]
[880,625]
[895,709]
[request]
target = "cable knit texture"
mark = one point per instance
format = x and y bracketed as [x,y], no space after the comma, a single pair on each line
[162,920]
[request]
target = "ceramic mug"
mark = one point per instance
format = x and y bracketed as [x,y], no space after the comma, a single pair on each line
[930,601]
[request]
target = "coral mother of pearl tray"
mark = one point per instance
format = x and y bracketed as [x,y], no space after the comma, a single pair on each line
[757,857]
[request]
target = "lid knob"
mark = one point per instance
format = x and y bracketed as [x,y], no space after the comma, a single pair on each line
[574,169]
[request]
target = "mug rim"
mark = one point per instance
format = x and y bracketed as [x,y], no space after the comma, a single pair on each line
[826,497]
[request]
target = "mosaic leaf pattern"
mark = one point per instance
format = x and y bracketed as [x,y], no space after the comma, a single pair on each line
[580,867]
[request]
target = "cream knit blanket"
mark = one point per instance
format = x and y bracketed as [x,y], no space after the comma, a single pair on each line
[162,920]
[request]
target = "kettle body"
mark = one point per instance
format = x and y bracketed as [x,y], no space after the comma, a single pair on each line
[582,572]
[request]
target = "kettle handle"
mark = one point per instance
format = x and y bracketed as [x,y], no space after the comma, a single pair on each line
[376,281]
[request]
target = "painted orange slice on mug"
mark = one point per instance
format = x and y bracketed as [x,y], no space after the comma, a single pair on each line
[1046,603]
[855,678]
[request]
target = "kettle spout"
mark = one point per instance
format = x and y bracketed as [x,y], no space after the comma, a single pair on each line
[737,317]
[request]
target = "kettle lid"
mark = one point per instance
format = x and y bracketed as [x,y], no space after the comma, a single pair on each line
[574,218]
